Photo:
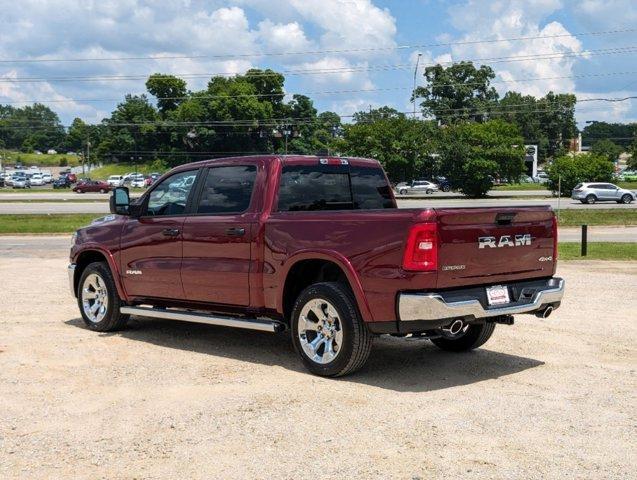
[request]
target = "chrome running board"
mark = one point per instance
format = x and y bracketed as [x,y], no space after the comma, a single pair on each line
[209,319]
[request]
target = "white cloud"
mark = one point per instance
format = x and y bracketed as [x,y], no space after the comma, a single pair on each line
[502,20]
[283,37]
[343,24]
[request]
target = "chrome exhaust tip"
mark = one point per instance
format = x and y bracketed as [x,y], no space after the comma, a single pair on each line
[545,313]
[454,328]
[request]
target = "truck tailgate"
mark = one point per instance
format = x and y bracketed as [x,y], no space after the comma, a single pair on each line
[494,245]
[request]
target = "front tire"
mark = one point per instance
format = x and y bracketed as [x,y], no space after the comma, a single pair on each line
[627,198]
[474,337]
[98,300]
[402,192]
[328,332]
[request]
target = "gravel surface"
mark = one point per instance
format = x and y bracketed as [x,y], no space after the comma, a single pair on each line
[552,398]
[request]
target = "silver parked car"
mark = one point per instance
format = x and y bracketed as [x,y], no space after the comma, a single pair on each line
[417,186]
[592,192]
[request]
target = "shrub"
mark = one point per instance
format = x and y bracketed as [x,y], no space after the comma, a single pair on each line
[572,170]
[64,162]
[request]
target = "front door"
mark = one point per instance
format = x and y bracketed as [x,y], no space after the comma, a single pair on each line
[151,248]
[218,236]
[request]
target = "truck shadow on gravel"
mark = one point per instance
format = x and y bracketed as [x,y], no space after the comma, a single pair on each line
[399,364]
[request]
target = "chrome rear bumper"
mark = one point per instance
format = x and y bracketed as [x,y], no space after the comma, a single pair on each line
[71,271]
[432,306]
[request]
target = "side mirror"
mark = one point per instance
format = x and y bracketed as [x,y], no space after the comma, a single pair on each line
[120,201]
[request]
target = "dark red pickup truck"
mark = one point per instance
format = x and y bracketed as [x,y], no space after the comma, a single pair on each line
[319,247]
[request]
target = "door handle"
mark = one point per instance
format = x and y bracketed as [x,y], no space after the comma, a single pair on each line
[236,232]
[170,232]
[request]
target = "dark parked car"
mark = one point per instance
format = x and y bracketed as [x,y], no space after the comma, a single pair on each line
[318,246]
[443,183]
[92,186]
[62,182]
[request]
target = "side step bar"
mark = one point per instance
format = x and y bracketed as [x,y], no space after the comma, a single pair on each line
[224,321]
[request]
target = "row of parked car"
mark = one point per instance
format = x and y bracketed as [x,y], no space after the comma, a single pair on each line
[25,178]
[134,180]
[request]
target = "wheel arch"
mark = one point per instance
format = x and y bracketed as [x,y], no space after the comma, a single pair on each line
[307,268]
[96,254]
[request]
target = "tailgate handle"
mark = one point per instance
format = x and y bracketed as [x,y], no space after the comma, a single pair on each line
[505,218]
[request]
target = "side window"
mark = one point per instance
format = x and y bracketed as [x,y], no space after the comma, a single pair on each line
[227,189]
[305,188]
[171,195]
[370,189]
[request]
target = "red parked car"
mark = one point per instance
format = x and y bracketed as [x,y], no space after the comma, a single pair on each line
[84,186]
[319,247]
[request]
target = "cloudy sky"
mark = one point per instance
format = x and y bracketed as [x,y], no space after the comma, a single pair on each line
[356,53]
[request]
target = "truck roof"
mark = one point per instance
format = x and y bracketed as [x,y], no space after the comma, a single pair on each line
[286,159]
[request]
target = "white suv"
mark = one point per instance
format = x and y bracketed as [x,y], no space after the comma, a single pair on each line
[115,181]
[601,192]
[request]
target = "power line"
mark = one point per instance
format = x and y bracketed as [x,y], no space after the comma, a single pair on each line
[316,52]
[328,92]
[300,121]
[327,71]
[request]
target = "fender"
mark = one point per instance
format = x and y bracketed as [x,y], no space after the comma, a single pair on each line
[94,247]
[338,259]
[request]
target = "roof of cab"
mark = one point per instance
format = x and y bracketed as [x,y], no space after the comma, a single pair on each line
[286,159]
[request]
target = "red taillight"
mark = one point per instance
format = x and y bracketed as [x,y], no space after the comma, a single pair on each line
[554,238]
[421,251]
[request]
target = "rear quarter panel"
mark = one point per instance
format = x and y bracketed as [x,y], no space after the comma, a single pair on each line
[367,243]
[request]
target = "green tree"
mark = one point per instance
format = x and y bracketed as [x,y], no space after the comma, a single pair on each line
[169,91]
[457,93]
[473,154]
[619,133]
[607,149]
[404,146]
[130,131]
[569,170]
[548,122]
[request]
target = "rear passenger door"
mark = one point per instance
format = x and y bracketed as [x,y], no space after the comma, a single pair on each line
[217,236]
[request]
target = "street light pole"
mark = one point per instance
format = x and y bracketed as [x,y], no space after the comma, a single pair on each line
[413,92]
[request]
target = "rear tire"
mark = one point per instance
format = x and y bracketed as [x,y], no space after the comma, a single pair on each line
[474,337]
[591,199]
[402,192]
[328,332]
[98,299]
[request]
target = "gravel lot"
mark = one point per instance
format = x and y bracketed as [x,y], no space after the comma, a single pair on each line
[551,398]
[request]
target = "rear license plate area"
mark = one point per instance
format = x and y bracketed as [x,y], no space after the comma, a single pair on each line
[498,295]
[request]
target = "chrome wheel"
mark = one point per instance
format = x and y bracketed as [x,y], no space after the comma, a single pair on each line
[320,331]
[94,298]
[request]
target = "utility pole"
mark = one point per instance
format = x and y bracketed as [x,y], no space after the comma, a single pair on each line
[413,92]
[88,151]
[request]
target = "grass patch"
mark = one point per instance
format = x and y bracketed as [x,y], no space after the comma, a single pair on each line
[43,160]
[598,251]
[106,171]
[574,217]
[58,223]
